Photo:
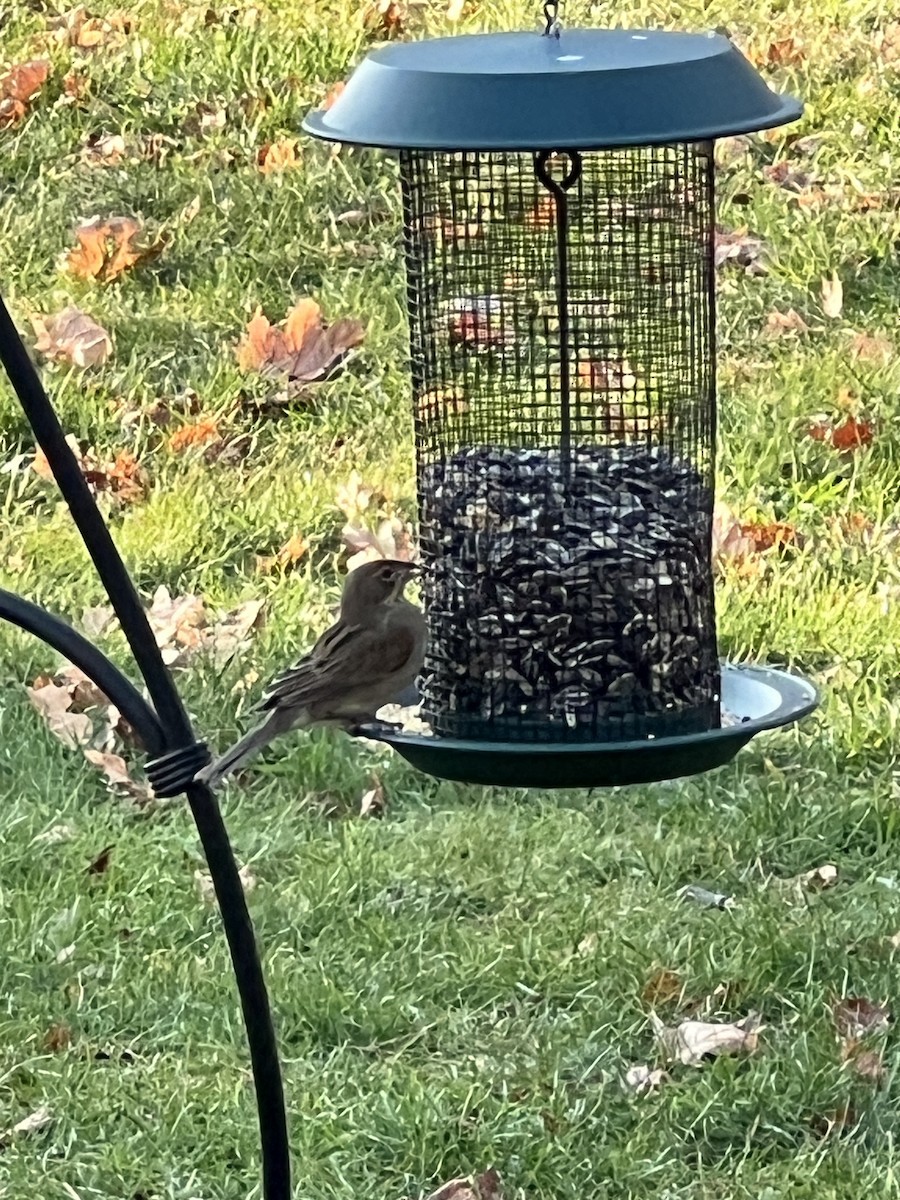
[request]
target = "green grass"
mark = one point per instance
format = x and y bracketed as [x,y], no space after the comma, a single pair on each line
[435,1013]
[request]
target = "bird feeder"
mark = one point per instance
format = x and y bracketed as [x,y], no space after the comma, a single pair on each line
[559,230]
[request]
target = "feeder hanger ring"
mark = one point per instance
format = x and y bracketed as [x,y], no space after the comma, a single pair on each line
[542,164]
[553,27]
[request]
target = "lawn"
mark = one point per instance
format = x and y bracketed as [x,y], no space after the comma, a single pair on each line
[464,983]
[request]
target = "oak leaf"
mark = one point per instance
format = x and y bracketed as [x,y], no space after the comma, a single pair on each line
[118,777]
[74,337]
[304,348]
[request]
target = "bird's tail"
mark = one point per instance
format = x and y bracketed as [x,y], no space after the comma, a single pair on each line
[251,743]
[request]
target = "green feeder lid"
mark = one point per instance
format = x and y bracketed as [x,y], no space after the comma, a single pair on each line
[588,89]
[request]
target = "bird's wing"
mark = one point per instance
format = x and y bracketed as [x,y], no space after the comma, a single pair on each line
[346,659]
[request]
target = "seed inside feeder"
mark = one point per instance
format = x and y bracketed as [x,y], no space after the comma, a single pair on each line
[567,602]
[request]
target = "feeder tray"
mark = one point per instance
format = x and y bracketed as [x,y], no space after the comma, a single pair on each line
[754,698]
[559,237]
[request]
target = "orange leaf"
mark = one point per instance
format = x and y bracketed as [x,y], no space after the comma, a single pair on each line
[852,433]
[19,85]
[301,320]
[261,344]
[290,553]
[107,248]
[278,155]
[198,434]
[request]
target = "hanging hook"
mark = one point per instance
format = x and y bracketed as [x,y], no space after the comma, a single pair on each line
[551,13]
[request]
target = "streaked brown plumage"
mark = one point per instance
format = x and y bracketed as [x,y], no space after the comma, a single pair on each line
[372,652]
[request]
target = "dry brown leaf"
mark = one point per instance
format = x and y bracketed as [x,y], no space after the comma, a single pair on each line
[103,149]
[386,17]
[373,802]
[18,86]
[850,434]
[208,892]
[74,337]
[837,1121]
[832,296]
[663,987]
[305,349]
[741,542]
[118,777]
[863,1061]
[741,247]
[33,1123]
[78,29]
[290,553]
[691,1042]
[279,155]
[76,86]
[642,1079]
[123,477]
[54,703]
[779,323]
[107,248]
[57,1038]
[486,1186]
[855,1016]
[393,539]
[872,349]
[818,878]
[199,433]
[100,864]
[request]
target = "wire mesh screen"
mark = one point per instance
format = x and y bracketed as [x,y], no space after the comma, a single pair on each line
[561,324]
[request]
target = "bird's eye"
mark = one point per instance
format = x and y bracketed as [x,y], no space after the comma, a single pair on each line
[387,573]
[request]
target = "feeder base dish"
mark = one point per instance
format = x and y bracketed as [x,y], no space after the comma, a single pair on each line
[760,698]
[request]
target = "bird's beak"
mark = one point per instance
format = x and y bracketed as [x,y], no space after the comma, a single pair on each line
[415,568]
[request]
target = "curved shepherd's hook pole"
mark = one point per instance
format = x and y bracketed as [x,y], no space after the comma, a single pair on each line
[165,730]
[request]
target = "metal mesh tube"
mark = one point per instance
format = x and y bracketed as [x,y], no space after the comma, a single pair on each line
[562,334]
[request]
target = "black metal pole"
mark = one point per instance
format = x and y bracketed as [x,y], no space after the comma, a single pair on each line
[168,733]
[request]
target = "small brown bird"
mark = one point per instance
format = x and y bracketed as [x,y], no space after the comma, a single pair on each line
[372,652]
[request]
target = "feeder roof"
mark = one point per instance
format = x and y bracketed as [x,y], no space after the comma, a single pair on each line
[588,89]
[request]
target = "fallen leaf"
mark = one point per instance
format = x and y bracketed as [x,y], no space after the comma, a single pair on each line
[779,323]
[54,705]
[818,878]
[855,1016]
[103,149]
[838,1121]
[787,175]
[18,86]
[486,1186]
[355,496]
[33,1123]
[832,297]
[642,1079]
[850,434]
[76,86]
[118,777]
[872,349]
[200,433]
[65,954]
[123,477]
[865,1062]
[78,29]
[373,801]
[392,539]
[738,541]
[100,865]
[107,248]
[692,1041]
[73,337]
[740,247]
[230,634]
[663,987]
[279,155]
[56,834]
[57,1038]
[386,17]
[305,349]
[455,9]
[290,553]
[208,892]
